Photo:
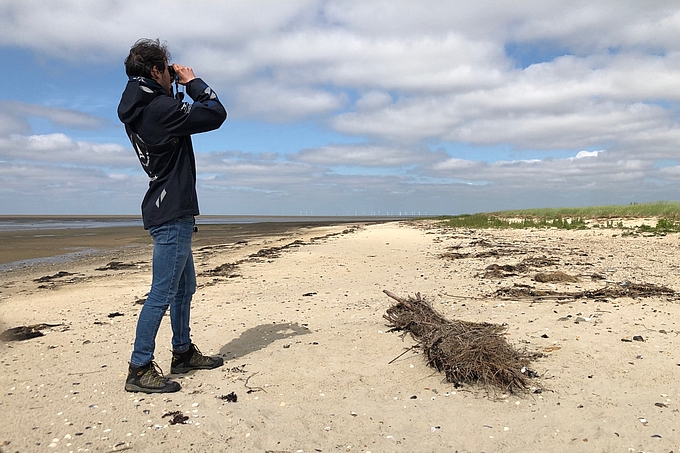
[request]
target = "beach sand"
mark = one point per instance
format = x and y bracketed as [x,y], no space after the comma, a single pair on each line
[298,317]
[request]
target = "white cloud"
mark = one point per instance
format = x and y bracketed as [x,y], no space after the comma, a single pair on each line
[419,63]
[366,156]
[91,31]
[42,188]
[71,25]
[373,100]
[595,170]
[399,77]
[14,116]
[12,124]
[59,116]
[283,104]
[585,154]
[567,103]
[229,170]
[455,165]
[60,149]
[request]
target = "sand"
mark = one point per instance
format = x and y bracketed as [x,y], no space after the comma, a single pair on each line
[298,317]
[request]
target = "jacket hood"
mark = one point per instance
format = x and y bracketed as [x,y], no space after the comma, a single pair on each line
[138,94]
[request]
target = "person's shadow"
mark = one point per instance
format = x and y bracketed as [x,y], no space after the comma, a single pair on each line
[260,337]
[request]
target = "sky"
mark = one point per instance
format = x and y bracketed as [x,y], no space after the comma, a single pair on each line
[352,107]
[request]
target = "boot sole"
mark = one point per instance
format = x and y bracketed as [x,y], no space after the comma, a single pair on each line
[137,388]
[183,370]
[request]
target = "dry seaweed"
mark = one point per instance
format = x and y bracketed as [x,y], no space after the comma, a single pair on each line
[610,291]
[339,233]
[177,418]
[520,291]
[455,255]
[511,270]
[555,277]
[223,270]
[275,252]
[539,261]
[117,265]
[493,250]
[502,271]
[466,352]
[49,278]
[229,398]
[25,332]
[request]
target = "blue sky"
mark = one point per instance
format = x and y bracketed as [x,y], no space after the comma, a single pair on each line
[339,107]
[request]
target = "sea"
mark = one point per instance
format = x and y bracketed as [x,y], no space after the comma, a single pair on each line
[9,223]
[59,239]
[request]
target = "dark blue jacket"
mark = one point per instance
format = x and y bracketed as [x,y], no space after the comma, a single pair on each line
[160,127]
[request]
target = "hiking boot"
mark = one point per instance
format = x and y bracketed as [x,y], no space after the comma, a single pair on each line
[149,379]
[193,360]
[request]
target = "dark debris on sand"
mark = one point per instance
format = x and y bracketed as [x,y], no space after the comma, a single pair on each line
[610,291]
[26,332]
[223,270]
[177,418]
[117,265]
[50,278]
[229,398]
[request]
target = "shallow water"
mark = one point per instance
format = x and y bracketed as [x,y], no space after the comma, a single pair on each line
[30,223]
[34,240]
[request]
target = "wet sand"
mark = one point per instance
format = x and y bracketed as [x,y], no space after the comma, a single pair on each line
[16,246]
[48,246]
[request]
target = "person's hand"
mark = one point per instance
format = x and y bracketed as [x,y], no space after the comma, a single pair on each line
[184,73]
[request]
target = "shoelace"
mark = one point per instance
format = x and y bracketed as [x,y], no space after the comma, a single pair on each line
[197,358]
[155,375]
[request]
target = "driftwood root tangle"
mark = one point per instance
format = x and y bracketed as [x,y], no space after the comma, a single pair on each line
[466,352]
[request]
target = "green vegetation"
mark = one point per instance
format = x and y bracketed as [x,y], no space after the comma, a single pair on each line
[663,226]
[499,221]
[660,209]
[606,217]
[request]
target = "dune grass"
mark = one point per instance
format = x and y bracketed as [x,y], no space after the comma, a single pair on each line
[500,221]
[666,213]
[661,209]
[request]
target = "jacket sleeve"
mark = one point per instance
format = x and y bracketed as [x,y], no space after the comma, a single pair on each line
[179,118]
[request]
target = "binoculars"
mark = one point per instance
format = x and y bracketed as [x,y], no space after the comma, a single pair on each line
[175,79]
[173,74]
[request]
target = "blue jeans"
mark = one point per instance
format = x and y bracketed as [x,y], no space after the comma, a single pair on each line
[173,285]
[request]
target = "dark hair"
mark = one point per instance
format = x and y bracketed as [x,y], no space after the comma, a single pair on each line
[144,55]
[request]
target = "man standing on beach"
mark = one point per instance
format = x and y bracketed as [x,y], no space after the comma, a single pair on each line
[160,127]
